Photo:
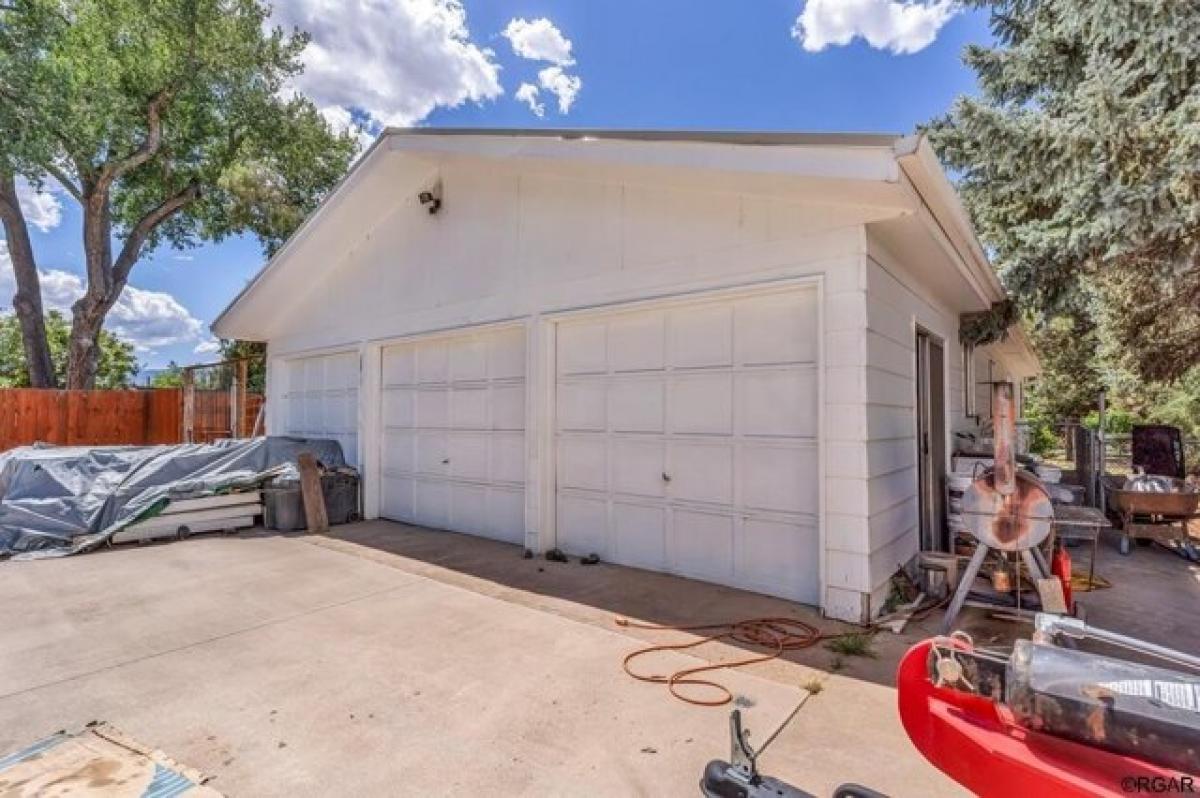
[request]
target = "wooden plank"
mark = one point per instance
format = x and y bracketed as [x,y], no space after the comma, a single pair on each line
[310,491]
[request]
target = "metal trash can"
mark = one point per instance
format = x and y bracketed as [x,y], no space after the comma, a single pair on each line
[283,504]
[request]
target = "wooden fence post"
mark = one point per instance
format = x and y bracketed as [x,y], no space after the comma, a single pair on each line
[189,404]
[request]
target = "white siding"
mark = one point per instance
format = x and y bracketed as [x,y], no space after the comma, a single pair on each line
[896,307]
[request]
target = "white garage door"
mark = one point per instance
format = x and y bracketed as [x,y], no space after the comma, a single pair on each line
[687,440]
[321,400]
[453,453]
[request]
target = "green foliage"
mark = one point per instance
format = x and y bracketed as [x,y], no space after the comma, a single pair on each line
[1117,420]
[852,644]
[1043,438]
[117,365]
[78,79]
[170,377]
[1078,162]
[1071,380]
[256,354]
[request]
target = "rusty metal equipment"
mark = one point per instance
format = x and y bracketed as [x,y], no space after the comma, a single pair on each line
[1160,516]
[1004,509]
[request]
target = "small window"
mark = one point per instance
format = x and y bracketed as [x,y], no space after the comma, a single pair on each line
[968,380]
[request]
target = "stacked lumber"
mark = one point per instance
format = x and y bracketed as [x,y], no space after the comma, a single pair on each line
[182,517]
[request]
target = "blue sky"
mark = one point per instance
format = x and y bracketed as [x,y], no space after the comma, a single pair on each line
[820,65]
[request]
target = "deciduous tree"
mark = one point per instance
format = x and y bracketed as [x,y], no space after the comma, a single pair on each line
[168,121]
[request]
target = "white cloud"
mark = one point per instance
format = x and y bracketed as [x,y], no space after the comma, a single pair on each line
[396,61]
[561,85]
[539,40]
[42,207]
[147,319]
[209,346]
[899,26]
[528,94]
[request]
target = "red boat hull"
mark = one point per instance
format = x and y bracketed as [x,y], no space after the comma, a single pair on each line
[969,739]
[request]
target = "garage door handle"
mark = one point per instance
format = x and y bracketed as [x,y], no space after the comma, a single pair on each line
[446,461]
[666,477]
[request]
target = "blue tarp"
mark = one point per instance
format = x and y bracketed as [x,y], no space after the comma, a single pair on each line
[60,500]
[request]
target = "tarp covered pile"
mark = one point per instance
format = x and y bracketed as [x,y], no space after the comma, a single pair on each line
[59,500]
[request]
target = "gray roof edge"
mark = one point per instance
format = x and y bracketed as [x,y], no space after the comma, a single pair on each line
[743,137]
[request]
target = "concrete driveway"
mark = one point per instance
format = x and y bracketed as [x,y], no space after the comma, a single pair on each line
[331,666]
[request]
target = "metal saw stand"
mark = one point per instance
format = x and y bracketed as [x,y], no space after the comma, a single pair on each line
[1034,560]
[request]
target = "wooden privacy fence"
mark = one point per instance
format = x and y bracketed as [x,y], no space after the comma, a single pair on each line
[112,418]
[29,415]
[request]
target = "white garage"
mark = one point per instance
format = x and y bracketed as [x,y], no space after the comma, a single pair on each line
[686,440]
[683,351]
[452,412]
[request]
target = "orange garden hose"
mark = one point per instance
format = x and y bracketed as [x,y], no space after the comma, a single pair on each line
[777,635]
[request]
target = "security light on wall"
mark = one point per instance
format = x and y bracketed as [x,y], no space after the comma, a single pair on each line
[431,198]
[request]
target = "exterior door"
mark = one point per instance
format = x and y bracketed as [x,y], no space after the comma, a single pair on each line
[453,419]
[931,441]
[687,440]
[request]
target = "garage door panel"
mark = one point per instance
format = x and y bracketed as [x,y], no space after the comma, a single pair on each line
[583,524]
[470,510]
[777,403]
[398,455]
[777,329]
[399,366]
[583,462]
[432,408]
[295,411]
[636,405]
[507,458]
[582,349]
[775,556]
[506,515]
[702,545]
[702,404]
[636,342]
[399,407]
[453,410]
[701,336]
[779,478]
[431,505]
[639,535]
[468,359]
[469,408]
[432,454]
[506,355]
[468,455]
[582,406]
[433,361]
[638,467]
[508,407]
[397,497]
[702,472]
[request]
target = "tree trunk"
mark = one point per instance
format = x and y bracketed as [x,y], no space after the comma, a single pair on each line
[83,348]
[27,302]
[88,313]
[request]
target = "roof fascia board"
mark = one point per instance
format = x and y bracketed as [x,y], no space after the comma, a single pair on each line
[938,196]
[868,163]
